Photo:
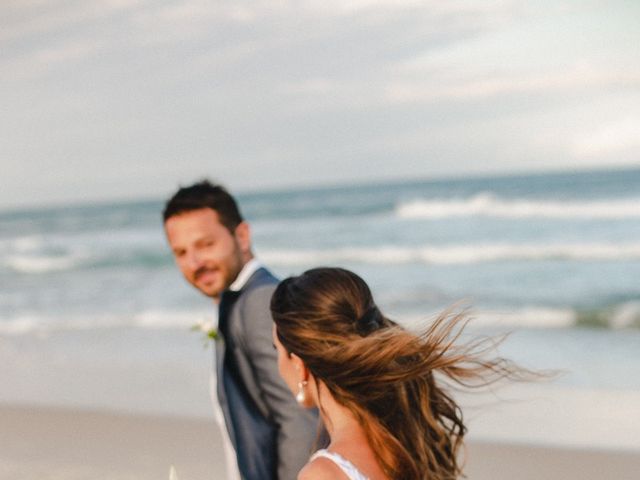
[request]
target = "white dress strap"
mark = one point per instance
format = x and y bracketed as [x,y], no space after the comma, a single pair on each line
[345,465]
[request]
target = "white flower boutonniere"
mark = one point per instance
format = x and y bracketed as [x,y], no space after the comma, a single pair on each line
[208,329]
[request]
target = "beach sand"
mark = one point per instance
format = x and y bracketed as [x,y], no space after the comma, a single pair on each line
[54,444]
[496,461]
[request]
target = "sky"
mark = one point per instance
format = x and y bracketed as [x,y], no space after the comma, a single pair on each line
[124,99]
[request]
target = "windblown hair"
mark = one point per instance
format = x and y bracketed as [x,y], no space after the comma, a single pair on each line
[204,194]
[384,374]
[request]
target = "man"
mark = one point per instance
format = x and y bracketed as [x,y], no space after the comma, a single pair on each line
[272,436]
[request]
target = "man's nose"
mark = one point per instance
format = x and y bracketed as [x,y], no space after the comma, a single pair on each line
[194,261]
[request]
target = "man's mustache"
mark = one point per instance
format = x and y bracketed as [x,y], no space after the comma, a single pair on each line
[201,271]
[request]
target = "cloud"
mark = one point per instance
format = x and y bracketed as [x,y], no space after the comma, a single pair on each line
[609,139]
[43,60]
[388,86]
[442,85]
[433,7]
[311,86]
[64,53]
[38,36]
[23,19]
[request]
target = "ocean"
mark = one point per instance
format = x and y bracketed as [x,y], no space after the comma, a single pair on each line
[554,259]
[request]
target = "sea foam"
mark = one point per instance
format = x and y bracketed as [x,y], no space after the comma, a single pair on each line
[24,263]
[454,254]
[147,319]
[489,205]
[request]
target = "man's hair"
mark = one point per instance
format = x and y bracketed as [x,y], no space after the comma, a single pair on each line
[204,194]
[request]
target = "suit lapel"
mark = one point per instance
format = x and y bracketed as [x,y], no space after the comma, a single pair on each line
[227,301]
[222,343]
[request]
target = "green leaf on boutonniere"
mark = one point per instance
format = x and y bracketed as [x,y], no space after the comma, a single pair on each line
[208,330]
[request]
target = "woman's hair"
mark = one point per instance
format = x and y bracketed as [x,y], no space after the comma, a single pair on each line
[384,374]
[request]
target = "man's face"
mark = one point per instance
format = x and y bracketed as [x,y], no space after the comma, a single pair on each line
[209,256]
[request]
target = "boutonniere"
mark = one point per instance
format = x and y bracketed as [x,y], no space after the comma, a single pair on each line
[208,330]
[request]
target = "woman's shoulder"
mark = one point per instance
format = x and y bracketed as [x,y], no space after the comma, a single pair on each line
[321,468]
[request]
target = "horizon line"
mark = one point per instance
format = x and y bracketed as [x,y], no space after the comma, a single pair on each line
[120,200]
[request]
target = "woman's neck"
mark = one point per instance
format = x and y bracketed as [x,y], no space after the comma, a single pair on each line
[341,424]
[348,438]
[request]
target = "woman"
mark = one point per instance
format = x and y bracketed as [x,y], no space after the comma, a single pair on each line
[373,381]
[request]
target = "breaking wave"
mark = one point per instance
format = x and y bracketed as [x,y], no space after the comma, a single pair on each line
[490,205]
[454,254]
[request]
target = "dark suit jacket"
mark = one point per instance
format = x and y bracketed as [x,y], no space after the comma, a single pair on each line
[272,435]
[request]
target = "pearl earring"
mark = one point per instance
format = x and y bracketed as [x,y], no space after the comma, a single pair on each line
[300,396]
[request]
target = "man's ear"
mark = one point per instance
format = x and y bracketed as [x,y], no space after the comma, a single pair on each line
[242,234]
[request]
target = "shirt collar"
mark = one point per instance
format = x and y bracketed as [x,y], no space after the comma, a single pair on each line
[245,274]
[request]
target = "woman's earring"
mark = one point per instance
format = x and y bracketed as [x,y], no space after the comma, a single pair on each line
[300,396]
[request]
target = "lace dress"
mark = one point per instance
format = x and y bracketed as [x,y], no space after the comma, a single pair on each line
[345,465]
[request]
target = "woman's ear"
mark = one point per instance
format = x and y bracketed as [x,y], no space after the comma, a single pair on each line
[301,369]
[306,383]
